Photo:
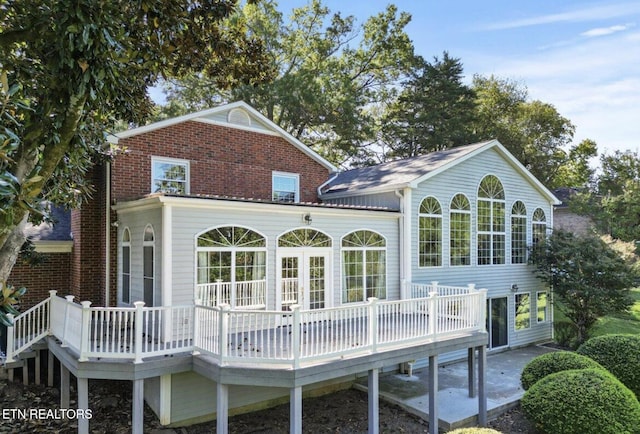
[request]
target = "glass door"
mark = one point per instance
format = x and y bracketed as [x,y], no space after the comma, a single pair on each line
[497,322]
[303,279]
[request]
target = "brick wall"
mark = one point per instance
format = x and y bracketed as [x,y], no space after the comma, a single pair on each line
[223,161]
[52,273]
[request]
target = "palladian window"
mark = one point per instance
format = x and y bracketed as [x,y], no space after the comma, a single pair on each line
[363,266]
[232,268]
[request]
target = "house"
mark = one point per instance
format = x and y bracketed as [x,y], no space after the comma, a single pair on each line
[223,241]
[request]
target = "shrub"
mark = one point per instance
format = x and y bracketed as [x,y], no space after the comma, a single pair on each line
[620,354]
[474,430]
[565,334]
[551,363]
[582,401]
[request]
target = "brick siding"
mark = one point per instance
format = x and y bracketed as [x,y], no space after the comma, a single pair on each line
[52,273]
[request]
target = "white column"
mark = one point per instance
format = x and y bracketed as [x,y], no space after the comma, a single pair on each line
[137,407]
[433,394]
[373,389]
[222,408]
[482,385]
[83,404]
[295,410]
[64,386]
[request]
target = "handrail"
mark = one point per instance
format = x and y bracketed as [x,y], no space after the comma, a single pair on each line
[28,328]
[272,337]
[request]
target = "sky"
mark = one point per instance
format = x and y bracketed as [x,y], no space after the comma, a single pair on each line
[583,57]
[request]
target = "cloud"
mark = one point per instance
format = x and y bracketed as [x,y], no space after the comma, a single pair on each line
[580,15]
[604,31]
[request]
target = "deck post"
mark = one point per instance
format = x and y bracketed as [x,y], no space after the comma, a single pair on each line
[10,340]
[85,332]
[223,332]
[64,386]
[432,314]
[69,299]
[222,408]
[471,368]
[373,323]
[373,389]
[37,366]
[295,335]
[433,394]
[138,325]
[482,383]
[295,410]
[83,404]
[137,407]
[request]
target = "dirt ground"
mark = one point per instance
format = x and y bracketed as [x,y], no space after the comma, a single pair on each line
[110,401]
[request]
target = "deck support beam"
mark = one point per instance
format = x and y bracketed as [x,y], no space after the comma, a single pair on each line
[137,407]
[295,410]
[222,408]
[482,386]
[471,368]
[433,394]
[83,405]
[373,403]
[64,386]
[50,368]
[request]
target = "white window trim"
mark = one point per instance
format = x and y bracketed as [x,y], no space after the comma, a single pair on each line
[294,176]
[124,244]
[186,163]
[546,308]
[515,311]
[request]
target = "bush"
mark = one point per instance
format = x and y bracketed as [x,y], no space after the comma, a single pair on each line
[474,431]
[551,363]
[582,401]
[619,354]
[565,334]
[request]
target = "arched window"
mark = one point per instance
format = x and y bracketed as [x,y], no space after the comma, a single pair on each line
[518,233]
[232,267]
[148,252]
[125,270]
[460,230]
[491,221]
[304,238]
[539,226]
[364,267]
[430,233]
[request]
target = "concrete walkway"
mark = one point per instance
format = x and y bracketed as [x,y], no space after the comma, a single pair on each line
[455,408]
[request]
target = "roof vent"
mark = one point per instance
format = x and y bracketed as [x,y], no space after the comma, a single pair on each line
[239,116]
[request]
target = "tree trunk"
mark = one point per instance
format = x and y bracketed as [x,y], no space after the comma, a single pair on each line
[11,248]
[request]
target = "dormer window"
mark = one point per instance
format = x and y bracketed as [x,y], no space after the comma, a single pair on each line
[169,175]
[285,187]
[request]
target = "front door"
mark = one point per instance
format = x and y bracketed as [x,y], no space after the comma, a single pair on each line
[303,278]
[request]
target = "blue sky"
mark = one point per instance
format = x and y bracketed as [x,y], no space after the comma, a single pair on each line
[583,57]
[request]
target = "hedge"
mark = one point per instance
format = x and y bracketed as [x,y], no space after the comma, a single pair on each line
[551,363]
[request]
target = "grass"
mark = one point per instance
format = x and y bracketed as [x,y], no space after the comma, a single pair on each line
[628,322]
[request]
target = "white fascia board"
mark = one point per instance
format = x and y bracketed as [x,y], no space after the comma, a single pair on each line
[390,188]
[53,246]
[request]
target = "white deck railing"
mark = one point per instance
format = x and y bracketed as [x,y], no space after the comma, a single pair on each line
[250,294]
[289,338]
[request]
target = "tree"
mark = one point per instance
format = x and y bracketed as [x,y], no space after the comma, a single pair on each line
[329,74]
[533,131]
[588,279]
[434,110]
[70,69]
[577,172]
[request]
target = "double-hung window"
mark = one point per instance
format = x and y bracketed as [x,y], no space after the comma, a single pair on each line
[169,175]
[285,187]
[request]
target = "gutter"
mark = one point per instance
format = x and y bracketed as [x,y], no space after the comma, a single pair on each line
[321,186]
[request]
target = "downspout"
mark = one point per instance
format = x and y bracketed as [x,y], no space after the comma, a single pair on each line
[321,186]
[405,240]
[107,230]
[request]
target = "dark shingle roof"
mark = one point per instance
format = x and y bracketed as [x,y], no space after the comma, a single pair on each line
[397,173]
[57,229]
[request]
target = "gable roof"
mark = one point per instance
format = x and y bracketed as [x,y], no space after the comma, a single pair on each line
[410,172]
[239,115]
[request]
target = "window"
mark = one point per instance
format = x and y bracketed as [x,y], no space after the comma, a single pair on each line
[126,266]
[523,311]
[232,267]
[539,226]
[491,222]
[363,266]
[542,306]
[169,175]
[460,231]
[430,233]
[304,238]
[518,233]
[148,247]
[285,187]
